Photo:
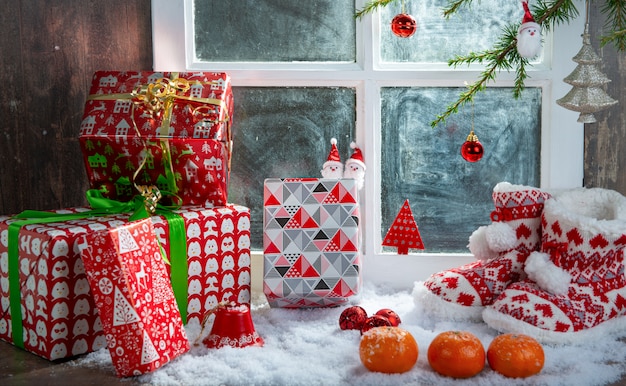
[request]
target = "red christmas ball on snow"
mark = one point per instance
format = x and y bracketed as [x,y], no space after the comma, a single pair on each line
[391,315]
[403,25]
[352,318]
[472,149]
[375,321]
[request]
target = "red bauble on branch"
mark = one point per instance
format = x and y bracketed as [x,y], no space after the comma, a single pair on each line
[472,149]
[403,25]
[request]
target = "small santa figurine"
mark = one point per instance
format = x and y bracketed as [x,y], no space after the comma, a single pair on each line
[355,167]
[528,35]
[333,168]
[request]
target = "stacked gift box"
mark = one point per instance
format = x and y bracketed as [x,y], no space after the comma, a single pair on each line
[80,279]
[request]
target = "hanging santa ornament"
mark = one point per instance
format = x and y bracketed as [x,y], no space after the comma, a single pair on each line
[403,25]
[472,150]
[528,35]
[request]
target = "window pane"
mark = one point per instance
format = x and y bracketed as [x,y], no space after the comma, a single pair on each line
[449,196]
[274,31]
[285,132]
[438,39]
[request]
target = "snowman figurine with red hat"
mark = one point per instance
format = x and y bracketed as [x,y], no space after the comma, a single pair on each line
[528,35]
[355,167]
[333,168]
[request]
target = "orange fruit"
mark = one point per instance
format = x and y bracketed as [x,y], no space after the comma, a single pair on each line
[456,354]
[388,350]
[515,355]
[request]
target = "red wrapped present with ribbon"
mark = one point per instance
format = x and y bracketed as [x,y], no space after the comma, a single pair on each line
[172,130]
[134,297]
[46,304]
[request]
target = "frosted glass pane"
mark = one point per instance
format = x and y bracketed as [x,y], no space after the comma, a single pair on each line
[438,39]
[449,196]
[275,31]
[285,132]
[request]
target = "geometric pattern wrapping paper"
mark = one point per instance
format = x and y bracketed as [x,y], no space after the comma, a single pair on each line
[311,242]
[133,293]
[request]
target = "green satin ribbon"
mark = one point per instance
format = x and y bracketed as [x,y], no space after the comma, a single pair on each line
[101,207]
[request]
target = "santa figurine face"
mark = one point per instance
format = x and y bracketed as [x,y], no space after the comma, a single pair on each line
[529,40]
[355,170]
[332,169]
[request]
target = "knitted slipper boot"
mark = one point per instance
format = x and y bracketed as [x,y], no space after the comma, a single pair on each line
[576,286]
[501,249]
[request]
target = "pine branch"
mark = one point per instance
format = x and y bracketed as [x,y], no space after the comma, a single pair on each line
[504,55]
[616,23]
[373,6]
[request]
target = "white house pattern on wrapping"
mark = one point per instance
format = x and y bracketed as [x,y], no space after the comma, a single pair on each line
[122,106]
[121,132]
[87,125]
[191,171]
[108,81]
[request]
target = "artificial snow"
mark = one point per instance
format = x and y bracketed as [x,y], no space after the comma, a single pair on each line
[307,347]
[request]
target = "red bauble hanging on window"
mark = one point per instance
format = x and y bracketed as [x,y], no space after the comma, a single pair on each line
[403,25]
[472,149]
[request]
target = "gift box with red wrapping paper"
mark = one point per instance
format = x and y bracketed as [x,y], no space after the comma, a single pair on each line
[47,307]
[216,266]
[46,303]
[134,297]
[170,130]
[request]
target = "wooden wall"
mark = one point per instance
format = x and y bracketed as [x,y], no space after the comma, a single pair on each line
[48,53]
[605,140]
[50,49]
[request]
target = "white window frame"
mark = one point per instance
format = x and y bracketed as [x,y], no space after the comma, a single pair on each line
[562,142]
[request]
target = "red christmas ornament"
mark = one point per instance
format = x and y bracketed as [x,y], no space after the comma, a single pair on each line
[375,321]
[352,318]
[403,233]
[391,315]
[403,25]
[472,149]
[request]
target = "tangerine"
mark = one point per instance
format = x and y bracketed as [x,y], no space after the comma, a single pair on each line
[388,350]
[456,354]
[515,355]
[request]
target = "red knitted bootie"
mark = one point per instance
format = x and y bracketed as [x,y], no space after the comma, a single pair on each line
[576,285]
[501,249]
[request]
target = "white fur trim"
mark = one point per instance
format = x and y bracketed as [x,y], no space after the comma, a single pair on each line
[548,276]
[478,245]
[508,324]
[505,186]
[500,237]
[439,308]
[592,210]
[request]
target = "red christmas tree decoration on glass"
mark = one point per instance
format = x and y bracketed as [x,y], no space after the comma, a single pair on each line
[403,233]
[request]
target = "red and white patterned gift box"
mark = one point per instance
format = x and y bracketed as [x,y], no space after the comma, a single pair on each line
[47,307]
[310,242]
[133,293]
[134,122]
[216,266]
[45,293]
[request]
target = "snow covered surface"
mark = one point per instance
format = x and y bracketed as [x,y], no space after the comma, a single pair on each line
[307,347]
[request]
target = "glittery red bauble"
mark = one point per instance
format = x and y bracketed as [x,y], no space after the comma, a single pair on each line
[403,25]
[472,151]
[352,318]
[375,321]
[391,315]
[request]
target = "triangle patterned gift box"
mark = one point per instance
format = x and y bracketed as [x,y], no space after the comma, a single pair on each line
[311,242]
